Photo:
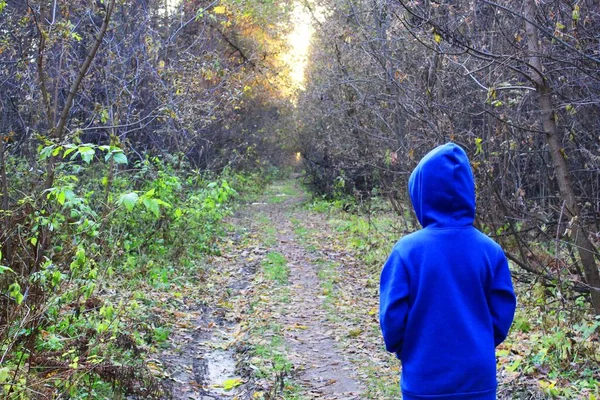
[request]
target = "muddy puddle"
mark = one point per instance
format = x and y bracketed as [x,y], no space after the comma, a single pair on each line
[218,366]
[202,365]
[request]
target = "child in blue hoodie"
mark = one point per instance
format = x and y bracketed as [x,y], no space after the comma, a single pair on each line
[446,295]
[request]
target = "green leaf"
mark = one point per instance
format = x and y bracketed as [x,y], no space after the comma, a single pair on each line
[102,327]
[68,151]
[4,371]
[129,200]
[15,292]
[478,146]
[570,109]
[56,277]
[163,203]
[120,157]
[60,197]
[152,206]
[3,269]
[104,116]
[514,365]
[46,152]
[80,256]
[89,289]
[69,194]
[87,154]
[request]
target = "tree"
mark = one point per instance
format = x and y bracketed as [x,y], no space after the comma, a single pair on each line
[409,75]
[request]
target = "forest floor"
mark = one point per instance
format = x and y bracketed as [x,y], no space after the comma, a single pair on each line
[287,311]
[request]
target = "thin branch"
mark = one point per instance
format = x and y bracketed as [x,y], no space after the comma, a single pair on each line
[83,71]
[194,18]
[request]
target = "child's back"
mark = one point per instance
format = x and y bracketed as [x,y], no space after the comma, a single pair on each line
[446,293]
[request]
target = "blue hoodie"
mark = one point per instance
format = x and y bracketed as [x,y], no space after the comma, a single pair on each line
[446,296]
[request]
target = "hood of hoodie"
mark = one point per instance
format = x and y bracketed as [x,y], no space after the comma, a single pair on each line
[442,189]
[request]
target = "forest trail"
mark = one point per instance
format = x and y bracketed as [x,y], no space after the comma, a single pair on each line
[287,311]
[265,326]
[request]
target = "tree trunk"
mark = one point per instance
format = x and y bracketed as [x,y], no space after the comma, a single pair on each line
[584,246]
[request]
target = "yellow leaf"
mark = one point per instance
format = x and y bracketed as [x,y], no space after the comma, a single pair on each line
[478,146]
[231,383]
[547,384]
[437,37]
[219,10]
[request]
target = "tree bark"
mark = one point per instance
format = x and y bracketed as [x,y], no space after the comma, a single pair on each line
[584,246]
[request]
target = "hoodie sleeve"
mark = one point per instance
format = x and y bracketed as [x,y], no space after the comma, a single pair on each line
[502,301]
[393,302]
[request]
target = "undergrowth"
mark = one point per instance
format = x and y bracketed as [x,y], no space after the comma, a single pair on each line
[90,261]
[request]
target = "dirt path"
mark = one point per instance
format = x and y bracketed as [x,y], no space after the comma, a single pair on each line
[322,368]
[217,340]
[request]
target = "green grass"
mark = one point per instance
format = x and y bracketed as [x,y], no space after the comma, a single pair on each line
[268,231]
[270,236]
[378,388]
[270,362]
[281,191]
[268,357]
[275,268]
[305,235]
